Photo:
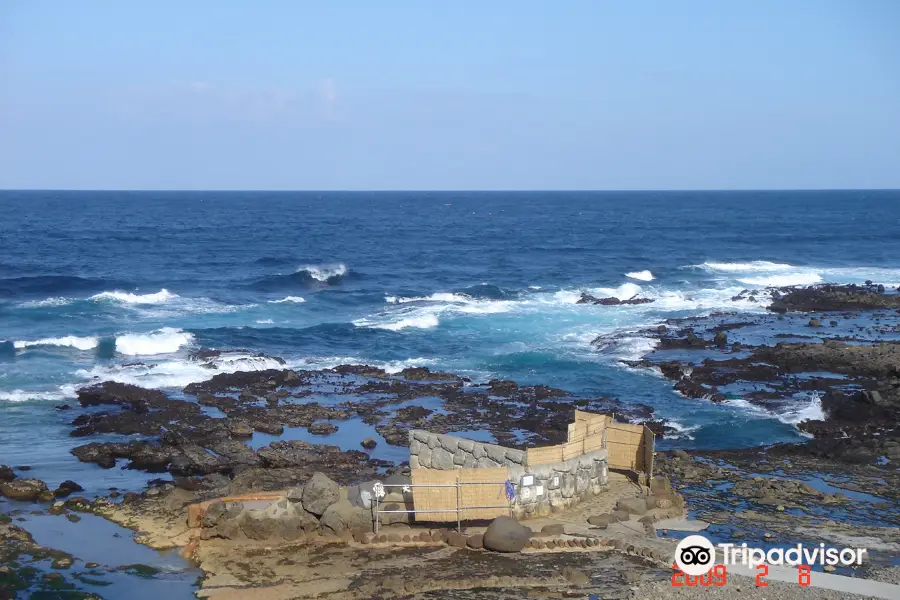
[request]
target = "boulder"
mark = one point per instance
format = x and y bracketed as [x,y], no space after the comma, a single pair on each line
[555,529]
[67,488]
[362,495]
[720,339]
[814,323]
[634,506]
[239,428]
[457,540]
[343,516]
[27,490]
[476,542]
[257,526]
[505,534]
[601,521]
[369,443]
[6,473]
[319,493]
[322,428]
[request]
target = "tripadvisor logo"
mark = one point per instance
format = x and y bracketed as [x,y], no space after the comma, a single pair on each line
[695,555]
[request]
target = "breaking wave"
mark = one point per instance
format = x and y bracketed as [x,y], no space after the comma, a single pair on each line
[783,280]
[71,341]
[640,275]
[179,373]
[164,341]
[410,318]
[47,302]
[324,273]
[160,297]
[291,299]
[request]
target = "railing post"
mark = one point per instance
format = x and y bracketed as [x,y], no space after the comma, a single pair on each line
[458,502]
[376,513]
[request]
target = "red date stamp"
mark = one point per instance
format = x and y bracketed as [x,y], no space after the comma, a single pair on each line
[718,577]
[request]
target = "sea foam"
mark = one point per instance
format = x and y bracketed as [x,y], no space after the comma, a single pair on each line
[640,275]
[72,341]
[160,297]
[288,299]
[324,273]
[162,341]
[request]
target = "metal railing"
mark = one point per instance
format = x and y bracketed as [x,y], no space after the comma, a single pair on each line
[458,510]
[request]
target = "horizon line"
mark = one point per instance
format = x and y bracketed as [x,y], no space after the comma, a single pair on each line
[442,191]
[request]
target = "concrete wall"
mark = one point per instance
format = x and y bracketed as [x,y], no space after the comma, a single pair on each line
[539,490]
[437,451]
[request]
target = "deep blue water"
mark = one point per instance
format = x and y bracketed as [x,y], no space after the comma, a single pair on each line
[124,286]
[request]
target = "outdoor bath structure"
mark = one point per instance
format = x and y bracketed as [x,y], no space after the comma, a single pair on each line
[451,480]
[493,480]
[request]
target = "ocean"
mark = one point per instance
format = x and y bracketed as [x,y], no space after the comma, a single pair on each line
[126,286]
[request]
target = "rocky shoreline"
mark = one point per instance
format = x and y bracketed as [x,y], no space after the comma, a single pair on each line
[837,343]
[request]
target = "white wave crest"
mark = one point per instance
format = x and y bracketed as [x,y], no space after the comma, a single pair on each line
[324,273]
[162,341]
[291,299]
[46,303]
[436,297]
[25,396]
[623,292]
[264,321]
[811,409]
[681,431]
[178,373]
[756,265]
[784,279]
[160,297]
[640,275]
[72,341]
[417,319]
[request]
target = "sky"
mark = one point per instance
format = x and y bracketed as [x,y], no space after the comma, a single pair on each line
[430,94]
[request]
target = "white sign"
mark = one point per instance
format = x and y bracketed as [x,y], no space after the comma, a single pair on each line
[539,490]
[528,480]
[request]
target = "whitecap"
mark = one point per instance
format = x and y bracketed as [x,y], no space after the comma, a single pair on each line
[178,373]
[416,319]
[681,431]
[623,292]
[324,273]
[46,303]
[784,279]
[264,322]
[160,297]
[756,265]
[291,299]
[26,395]
[436,297]
[640,275]
[810,410]
[162,341]
[72,341]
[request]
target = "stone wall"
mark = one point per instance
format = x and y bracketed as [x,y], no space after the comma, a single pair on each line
[545,489]
[437,451]
[539,490]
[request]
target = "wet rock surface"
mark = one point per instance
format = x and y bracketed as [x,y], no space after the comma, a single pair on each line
[777,361]
[178,436]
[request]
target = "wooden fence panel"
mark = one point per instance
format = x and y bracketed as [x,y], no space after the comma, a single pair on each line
[486,494]
[623,443]
[471,493]
[439,498]
[544,456]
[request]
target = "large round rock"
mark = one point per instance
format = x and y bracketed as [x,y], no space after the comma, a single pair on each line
[505,534]
[319,493]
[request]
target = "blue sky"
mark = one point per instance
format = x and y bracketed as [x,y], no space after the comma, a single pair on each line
[428,94]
